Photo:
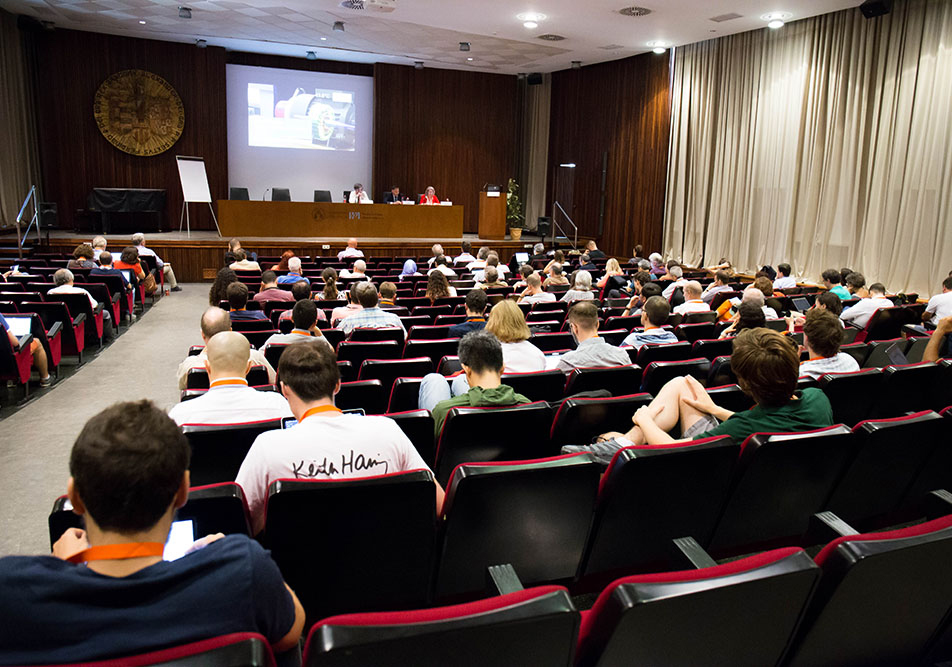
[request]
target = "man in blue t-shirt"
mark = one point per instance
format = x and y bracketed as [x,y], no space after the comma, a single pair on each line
[106,591]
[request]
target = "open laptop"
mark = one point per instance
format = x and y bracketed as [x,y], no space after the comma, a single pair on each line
[896,355]
[128,274]
[522,258]
[800,304]
[20,325]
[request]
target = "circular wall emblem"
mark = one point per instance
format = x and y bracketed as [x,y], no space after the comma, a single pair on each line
[139,112]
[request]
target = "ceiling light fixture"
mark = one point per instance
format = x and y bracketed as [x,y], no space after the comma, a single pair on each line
[418,64]
[659,50]
[201,43]
[469,59]
[338,26]
[323,39]
[776,20]
[184,13]
[657,46]
[576,64]
[310,55]
[530,25]
[531,16]
[141,22]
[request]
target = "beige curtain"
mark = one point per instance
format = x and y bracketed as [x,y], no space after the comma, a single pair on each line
[19,165]
[827,143]
[538,105]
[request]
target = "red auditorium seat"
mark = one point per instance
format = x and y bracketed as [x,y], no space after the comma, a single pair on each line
[490,507]
[738,613]
[357,352]
[881,599]
[906,388]
[73,331]
[354,545]
[405,395]
[936,473]
[435,349]
[78,304]
[712,348]
[536,626]
[219,449]
[15,366]
[417,425]
[651,495]
[663,352]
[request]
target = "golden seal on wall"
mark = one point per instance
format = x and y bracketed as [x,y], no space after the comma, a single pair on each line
[139,112]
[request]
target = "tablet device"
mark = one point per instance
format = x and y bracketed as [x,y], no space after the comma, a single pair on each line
[288,422]
[181,537]
[896,355]
[19,326]
[801,304]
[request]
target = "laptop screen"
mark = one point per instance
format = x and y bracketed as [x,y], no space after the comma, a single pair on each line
[19,326]
[128,274]
[896,355]
[522,257]
[801,304]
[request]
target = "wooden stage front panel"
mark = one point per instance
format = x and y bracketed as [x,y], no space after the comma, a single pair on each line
[282,218]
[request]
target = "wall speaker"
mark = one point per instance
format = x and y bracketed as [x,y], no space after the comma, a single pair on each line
[873,8]
[534,79]
[544,226]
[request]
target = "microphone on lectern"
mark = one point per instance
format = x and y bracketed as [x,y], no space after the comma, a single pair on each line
[267,190]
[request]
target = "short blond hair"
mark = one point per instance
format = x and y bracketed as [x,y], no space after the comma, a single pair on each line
[507,323]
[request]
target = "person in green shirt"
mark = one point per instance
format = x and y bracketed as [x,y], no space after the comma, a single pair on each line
[832,280]
[767,367]
[480,354]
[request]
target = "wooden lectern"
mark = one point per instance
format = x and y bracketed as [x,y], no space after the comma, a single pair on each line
[492,216]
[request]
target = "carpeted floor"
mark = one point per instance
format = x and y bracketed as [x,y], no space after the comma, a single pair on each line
[36,440]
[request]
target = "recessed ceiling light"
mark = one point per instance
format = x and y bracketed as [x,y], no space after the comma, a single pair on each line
[659,50]
[530,25]
[576,64]
[418,64]
[323,39]
[141,22]
[776,23]
[469,59]
[531,16]
[776,20]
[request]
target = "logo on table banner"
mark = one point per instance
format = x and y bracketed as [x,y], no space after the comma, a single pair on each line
[353,215]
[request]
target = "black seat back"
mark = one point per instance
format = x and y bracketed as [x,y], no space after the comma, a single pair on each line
[435,349]
[367,395]
[417,425]
[357,352]
[852,395]
[663,352]
[537,386]
[383,565]
[906,388]
[658,373]
[219,449]
[388,370]
[619,380]
[578,420]
[512,513]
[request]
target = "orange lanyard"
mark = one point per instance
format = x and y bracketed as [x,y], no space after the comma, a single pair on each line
[302,332]
[119,552]
[320,408]
[222,383]
[476,319]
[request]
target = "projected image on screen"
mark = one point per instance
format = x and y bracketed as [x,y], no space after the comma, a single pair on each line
[319,119]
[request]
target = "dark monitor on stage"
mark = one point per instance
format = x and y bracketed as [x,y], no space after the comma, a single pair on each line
[322,196]
[280,194]
[492,188]
[238,194]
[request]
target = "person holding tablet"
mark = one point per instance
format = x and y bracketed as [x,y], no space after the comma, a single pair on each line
[429,196]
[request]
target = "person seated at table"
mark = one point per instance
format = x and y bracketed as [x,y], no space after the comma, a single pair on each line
[429,196]
[82,257]
[392,197]
[242,263]
[237,294]
[358,196]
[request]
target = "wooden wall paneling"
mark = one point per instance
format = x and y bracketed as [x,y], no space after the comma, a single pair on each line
[622,108]
[75,157]
[453,130]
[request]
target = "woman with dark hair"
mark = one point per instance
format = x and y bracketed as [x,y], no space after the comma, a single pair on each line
[282,265]
[330,293]
[437,287]
[217,294]
[82,257]
[750,315]
[129,259]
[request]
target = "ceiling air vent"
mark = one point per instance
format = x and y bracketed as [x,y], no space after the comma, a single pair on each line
[549,37]
[726,17]
[611,47]
[634,11]
[370,5]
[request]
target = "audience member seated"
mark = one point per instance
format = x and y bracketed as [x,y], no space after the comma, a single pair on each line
[721,278]
[538,253]
[237,294]
[658,268]
[214,321]
[304,316]
[481,356]
[435,251]
[439,264]
[581,289]
[822,336]
[438,287]
[282,265]
[558,257]
[593,351]
[242,263]
[641,280]
[99,246]
[593,251]
[234,245]
[294,272]
[749,315]
[218,292]
[614,281]
[343,312]
[677,273]
[668,274]
[329,293]
[693,303]
[300,291]
[106,591]
[784,280]
[409,269]
[106,268]
[855,284]
[636,255]
[229,399]
[767,367]
[371,315]
[388,294]
[753,294]
[138,240]
[129,261]
[270,291]
[765,285]
[350,251]
[525,271]
[861,313]
[63,279]
[940,305]
[556,277]
[824,301]
[480,262]
[40,361]
[476,301]
[585,262]
[492,259]
[508,324]
[82,258]
[653,316]
[359,271]
[491,279]
[831,280]
[940,344]
[534,293]
[325,444]
[466,253]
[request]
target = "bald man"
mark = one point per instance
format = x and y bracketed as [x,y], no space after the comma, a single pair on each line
[229,399]
[215,320]
[693,303]
[350,251]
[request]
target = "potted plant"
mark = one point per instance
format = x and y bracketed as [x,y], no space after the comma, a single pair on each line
[514,217]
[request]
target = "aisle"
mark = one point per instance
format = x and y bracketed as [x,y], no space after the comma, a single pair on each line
[36,441]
